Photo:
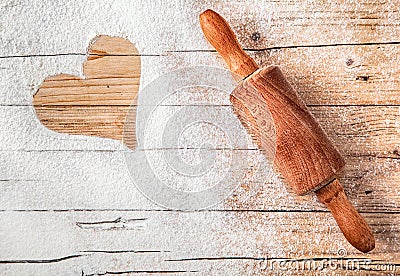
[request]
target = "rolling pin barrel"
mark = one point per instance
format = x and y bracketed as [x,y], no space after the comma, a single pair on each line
[304,154]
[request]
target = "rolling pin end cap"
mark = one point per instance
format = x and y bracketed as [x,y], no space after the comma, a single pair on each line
[351,223]
[367,245]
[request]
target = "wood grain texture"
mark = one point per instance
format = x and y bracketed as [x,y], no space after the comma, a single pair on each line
[68,104]
[342,58]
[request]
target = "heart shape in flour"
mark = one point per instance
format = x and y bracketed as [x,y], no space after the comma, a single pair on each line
[96,105]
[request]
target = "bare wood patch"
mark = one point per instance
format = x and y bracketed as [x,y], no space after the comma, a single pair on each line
[68,104]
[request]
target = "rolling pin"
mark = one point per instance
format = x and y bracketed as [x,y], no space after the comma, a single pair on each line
[304,155]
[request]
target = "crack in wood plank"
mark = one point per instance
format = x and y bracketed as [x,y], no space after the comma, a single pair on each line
[140,271]
[124,251]
[272,211]
[117,224]
[212,51]
[43,261]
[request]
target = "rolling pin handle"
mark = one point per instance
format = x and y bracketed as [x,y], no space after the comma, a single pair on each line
[351,223]
[222,38]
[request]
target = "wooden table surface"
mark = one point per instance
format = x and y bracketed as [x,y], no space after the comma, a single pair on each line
[68,205]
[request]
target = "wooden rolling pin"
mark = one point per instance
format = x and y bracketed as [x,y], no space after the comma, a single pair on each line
[304,155]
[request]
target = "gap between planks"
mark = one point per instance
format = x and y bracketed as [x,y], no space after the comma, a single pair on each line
[214,51]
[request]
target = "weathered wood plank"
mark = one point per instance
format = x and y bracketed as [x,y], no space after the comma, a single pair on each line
[355,130]
[90,179]
[156,28]
[348,75]
[343,75]
[230,243]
